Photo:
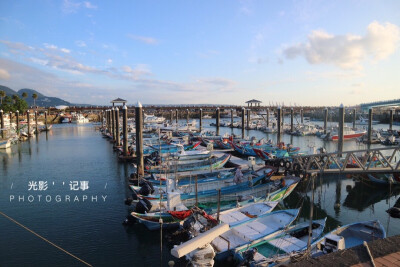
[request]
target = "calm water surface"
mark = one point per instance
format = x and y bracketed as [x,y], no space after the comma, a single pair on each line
[92,230]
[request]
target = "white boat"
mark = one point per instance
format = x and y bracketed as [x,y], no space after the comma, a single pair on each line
[79,119]
[5,143]
[264,227]
[207,117]
[364,121]
[153,119]
[348,134]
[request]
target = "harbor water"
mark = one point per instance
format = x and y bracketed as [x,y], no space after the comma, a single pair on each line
[68,187]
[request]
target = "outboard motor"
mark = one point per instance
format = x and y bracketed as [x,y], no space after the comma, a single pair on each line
[143,206]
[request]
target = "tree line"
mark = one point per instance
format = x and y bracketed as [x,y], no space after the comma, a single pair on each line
[14,102]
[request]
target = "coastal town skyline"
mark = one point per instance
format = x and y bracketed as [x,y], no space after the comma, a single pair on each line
[307,52]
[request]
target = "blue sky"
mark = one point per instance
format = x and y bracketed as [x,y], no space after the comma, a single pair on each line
[213,52]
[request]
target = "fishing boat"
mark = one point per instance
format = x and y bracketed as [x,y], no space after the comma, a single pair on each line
[282,247]
[260,228]
[349,236]
[384,179]
[79,119]
[348,134]
[5,143]
[212,163]
[153,119]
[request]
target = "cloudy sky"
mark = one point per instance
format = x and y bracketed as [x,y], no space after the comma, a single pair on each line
[214,52]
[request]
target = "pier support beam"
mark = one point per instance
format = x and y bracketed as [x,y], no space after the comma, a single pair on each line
[10,121]
[267,117]
[36,123]
[217,119]
[171,116]
[45,120]
[28,118]
[325,120]
[113,124]
[369,126]
[231,117]
[248,119]
[176,116]
[187,118]
[139,139]
[201,119]
[341,127]
[125,129]
[354,118]
[291,120]
[117,137]
[391,119]
[2,123]
[301,116]
[279,117]
[243,114]
[16,121]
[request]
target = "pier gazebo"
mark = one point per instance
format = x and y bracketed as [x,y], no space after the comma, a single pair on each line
[253,101]
[117,101]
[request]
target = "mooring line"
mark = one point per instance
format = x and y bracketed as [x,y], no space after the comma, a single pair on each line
[41,237]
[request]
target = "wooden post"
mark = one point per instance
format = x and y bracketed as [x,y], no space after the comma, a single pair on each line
[291,120]
[279,117]
[45,120]
[109,121]
[369,126]
[354,118]
[117,137]
[125,129]
[139,139]
[17,122]
[391,119]
[248,119]
[29,123]
[102,118]
[113,124]
[325,120]
[187,118]
[201,119]
[267,117]
[217,119]
[311,212]
[243,114]
[2,123]
[176,116]
[301,116]
[231,117]
[341,128]
[36,123]
[172,116]
[10,120]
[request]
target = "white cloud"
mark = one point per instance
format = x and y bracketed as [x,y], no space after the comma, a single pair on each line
[4,75]
[109,61]
[143,39]
[89,5]
[73,7]
[139,71]
[80,43]
[64,50]
[50,46]
[347,51]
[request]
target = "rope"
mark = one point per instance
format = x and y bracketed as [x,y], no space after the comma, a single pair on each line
[51,243]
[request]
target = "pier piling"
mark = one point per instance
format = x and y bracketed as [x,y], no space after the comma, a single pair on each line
[369,126]
[354,118]
[231,117]
[391,119]
[267,117]
[36,123]
[125,129]
[113,124]
[187,118]
[325,120]
[16,121]
[341,126]
[248,119]
[171,116]
[45,120]
[176,116]
[28,118]
[117,137]
[2,123]
[139,139]
[243,114]
[217,119]
[279,117]
[301,116]
[201,119]
[291,120]
[10,121]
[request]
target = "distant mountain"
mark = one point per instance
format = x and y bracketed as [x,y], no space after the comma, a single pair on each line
[41,101]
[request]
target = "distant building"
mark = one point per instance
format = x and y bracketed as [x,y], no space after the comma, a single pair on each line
[253,101]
